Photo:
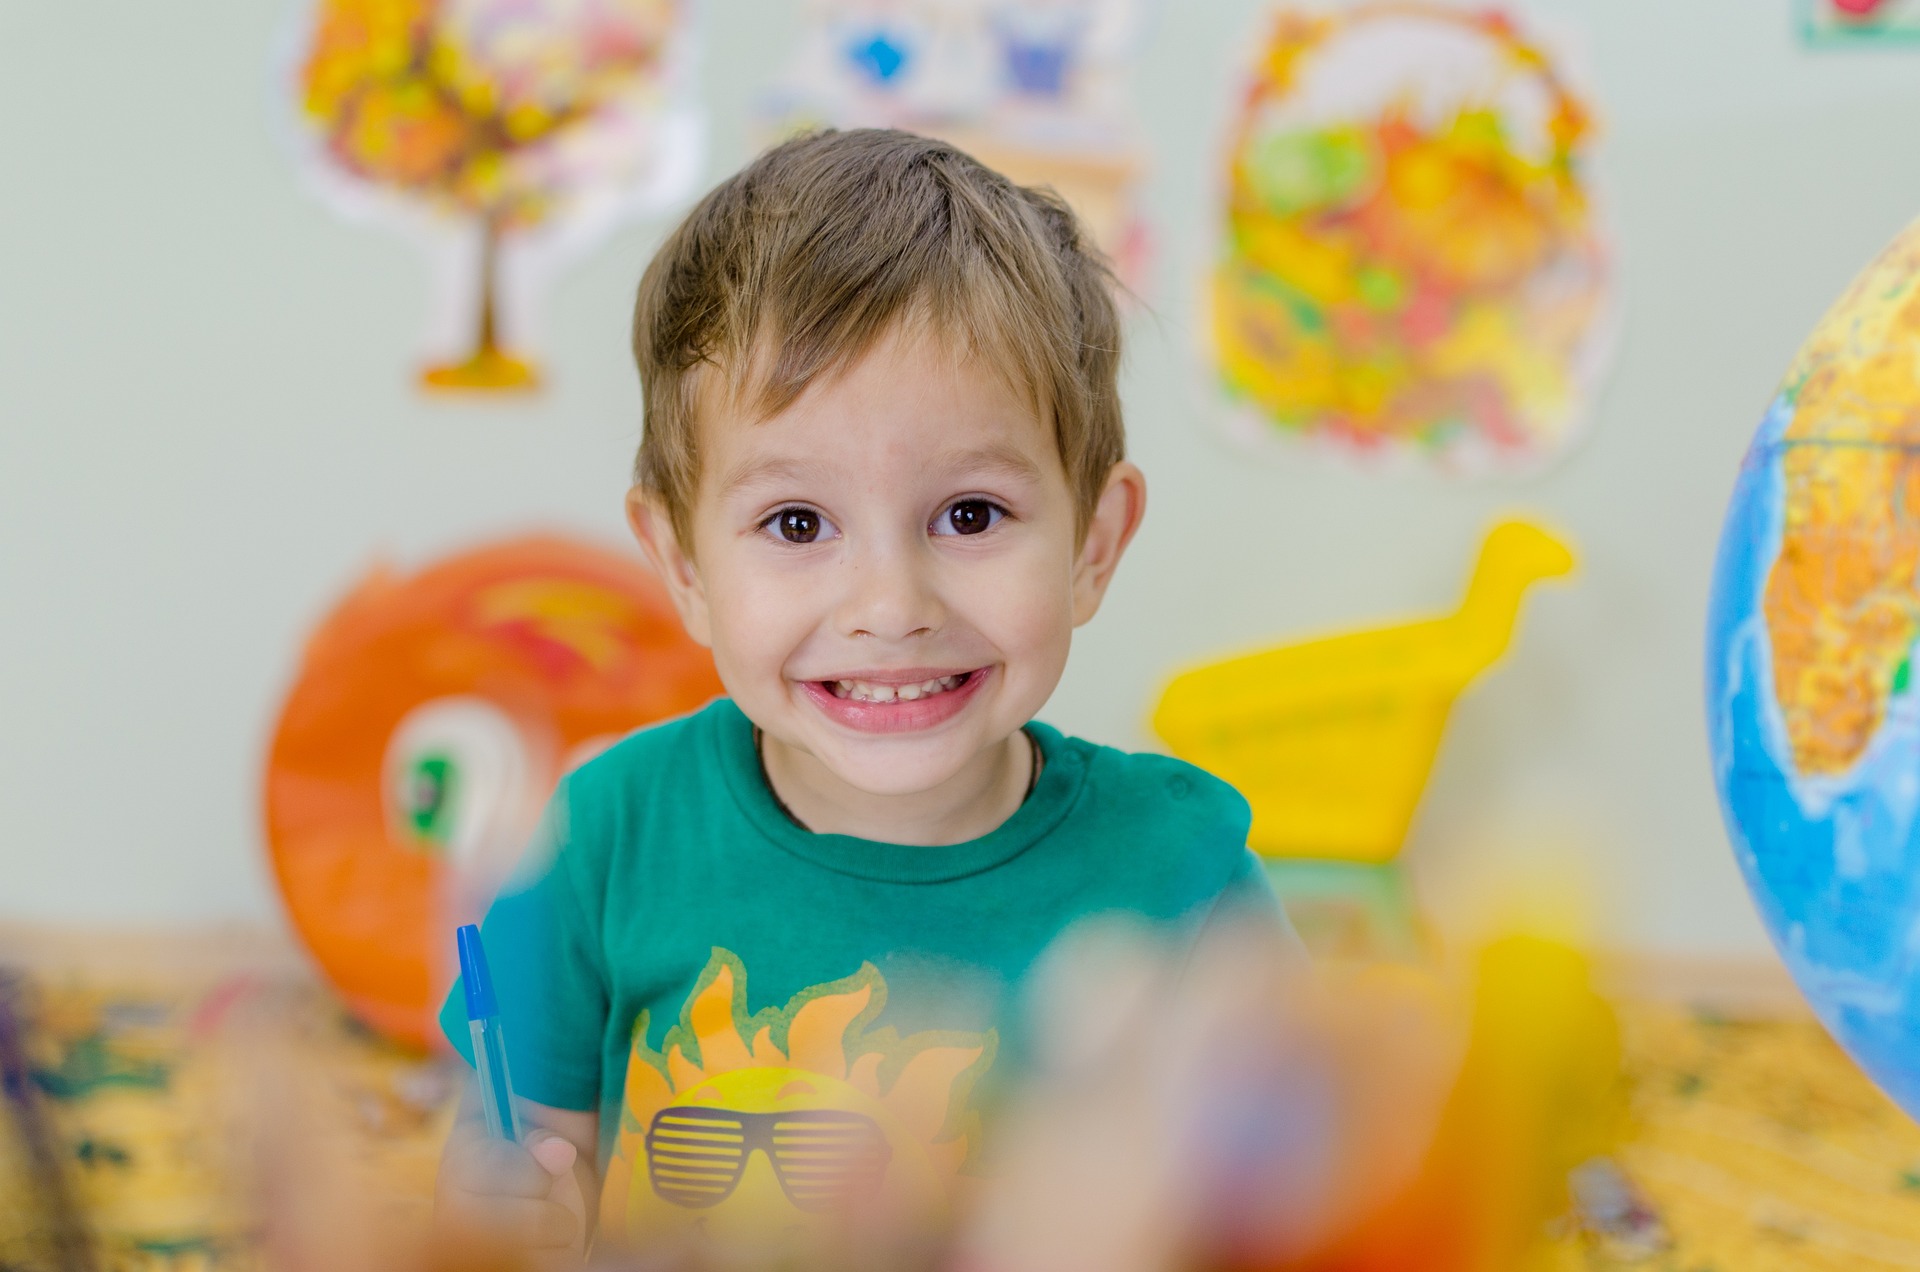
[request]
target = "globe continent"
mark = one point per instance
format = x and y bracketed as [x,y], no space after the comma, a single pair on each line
[1813,718]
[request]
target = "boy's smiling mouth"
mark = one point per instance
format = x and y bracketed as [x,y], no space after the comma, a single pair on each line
[895,701]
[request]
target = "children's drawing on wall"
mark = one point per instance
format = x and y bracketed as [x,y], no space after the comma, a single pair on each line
[507,134]
[1830,23]
[1038,89]
[1411,260]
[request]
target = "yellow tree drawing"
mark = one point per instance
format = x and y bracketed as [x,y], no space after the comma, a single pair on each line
[505,114]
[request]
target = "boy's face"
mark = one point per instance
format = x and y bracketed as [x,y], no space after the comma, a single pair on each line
[887,571]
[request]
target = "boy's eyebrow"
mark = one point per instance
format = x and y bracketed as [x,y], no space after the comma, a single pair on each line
[752,472]
[994,457]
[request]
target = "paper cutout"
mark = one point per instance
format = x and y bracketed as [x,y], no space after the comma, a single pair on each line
[507,134]
[1829,23]
[1331,740]
[431,718]
[1035,88]
[1411,259]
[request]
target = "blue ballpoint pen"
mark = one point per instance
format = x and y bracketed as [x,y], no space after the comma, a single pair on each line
[489,1041]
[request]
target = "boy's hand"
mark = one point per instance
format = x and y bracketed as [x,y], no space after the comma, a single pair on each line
[516,1204]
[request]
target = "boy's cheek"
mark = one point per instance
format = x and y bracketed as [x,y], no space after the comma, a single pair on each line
[1025,607]
[742,589]
[759,626]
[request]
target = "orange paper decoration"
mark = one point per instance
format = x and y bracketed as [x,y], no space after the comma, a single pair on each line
[432,717]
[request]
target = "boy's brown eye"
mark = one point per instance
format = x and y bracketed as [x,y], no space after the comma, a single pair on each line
[970,516]
[799,525]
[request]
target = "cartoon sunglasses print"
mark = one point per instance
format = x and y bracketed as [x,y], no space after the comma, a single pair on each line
[696,1156]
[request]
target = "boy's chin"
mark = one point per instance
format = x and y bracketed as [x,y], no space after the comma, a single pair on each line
[896,768]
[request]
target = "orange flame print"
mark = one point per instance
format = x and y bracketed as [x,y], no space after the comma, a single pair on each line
[823,1081]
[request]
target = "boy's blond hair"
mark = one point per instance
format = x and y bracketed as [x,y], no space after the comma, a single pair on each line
[793,267]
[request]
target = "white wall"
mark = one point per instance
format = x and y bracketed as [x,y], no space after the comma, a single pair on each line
[207,431]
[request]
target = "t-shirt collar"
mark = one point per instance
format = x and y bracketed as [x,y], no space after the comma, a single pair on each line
[1062,775]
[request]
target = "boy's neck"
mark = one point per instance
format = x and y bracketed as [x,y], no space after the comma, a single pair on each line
[973,803]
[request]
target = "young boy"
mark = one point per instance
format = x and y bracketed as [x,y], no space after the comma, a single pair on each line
[773,952]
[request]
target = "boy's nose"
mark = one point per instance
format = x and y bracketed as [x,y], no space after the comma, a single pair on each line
[890,595]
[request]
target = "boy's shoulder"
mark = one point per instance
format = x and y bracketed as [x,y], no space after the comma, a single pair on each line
[653,752]
[1152,807]
[674,755]
[1169,786]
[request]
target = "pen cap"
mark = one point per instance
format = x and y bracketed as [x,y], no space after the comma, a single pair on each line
[474,976]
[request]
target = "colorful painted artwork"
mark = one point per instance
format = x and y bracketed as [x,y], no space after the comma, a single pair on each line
[202,1113]
[1411,258]
[132,1066]
[1035,88]
[432,717]
[507,133]
[1830,23]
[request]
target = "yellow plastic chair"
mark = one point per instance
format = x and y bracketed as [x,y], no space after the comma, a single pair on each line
[1331,741]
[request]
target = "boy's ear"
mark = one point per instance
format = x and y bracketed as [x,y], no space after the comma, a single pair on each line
[1115,519]
[653,527]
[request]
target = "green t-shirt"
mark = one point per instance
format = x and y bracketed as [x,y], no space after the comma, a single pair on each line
[676,937]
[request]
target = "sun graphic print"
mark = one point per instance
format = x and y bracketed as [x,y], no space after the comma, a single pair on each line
[749,1126]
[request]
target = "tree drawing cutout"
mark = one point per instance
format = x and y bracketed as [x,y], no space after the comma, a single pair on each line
[495,127]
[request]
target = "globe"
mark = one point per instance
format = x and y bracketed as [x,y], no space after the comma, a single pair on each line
[1814,716]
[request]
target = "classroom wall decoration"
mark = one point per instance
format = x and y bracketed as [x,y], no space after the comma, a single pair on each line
[1826,23]
[1411,260]
[1331,740]
[508,134]
[1035,88]
[430,719]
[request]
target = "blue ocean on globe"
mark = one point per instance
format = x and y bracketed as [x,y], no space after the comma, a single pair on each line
[1833,862]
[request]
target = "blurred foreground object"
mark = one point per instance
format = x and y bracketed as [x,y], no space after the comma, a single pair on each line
[1237,1114]
[1332,740]
[201,1121]
[296,1115]
[1759,1145]
[1539,1094]
[138,1123]
[41,1225]
[431,718]
[485,124]
[1411,258]
[1812,707]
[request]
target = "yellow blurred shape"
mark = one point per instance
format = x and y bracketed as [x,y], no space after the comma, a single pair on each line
[1539,1093]
[1331,740]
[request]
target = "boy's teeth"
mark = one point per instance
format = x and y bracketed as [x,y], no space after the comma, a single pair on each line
[868,691]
